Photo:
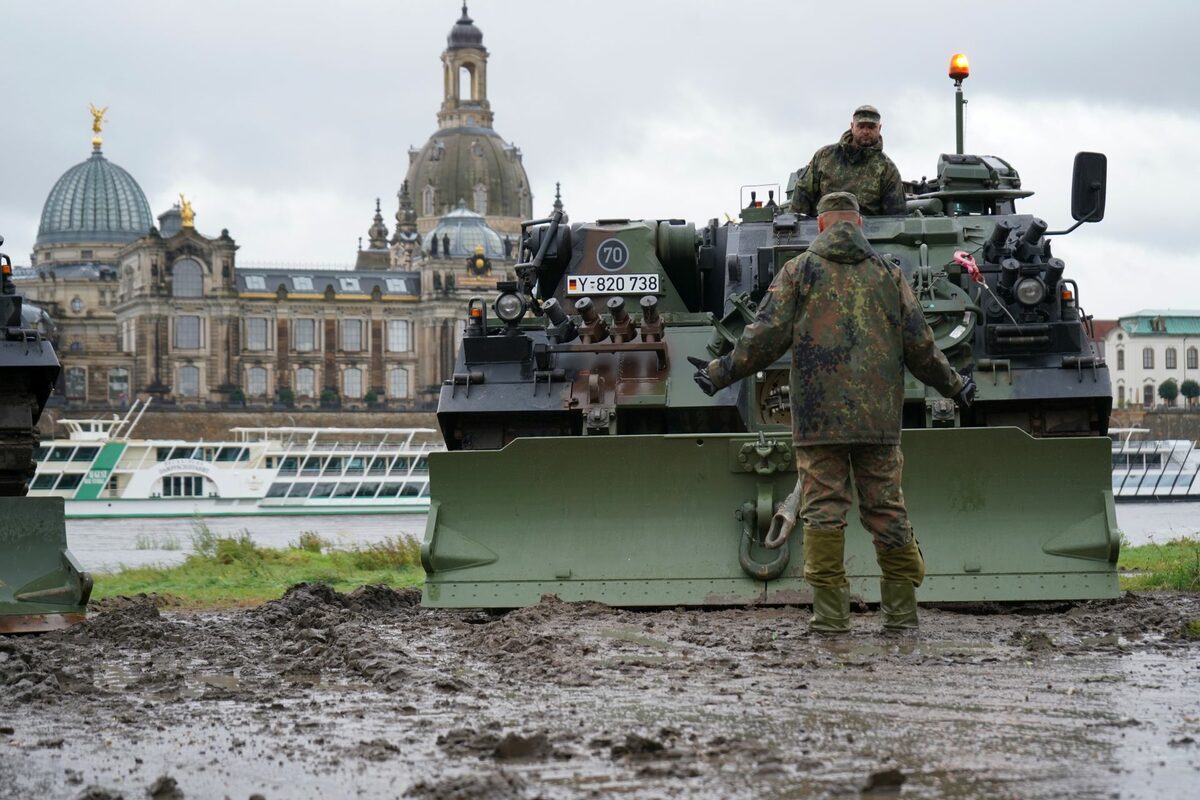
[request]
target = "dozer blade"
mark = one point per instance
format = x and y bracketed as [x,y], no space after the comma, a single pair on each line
[42,587]
[675,520]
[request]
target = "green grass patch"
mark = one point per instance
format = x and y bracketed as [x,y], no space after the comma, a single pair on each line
[233,571]
[1173,565]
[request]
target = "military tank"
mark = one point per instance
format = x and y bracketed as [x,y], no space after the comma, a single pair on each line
[584,462]
[42,587]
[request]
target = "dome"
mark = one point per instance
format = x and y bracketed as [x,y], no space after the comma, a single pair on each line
[464,33]
[466,230]
[471,164]
[95,201]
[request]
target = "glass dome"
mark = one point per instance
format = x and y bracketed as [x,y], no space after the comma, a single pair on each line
[95,201]
[466,230]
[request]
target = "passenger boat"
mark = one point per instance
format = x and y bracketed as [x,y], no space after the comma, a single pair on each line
[102,471]
[1153,469]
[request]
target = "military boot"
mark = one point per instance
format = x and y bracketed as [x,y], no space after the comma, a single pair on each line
[903,571]
[825,571]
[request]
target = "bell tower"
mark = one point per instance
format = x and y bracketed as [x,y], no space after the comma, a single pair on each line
[464,68]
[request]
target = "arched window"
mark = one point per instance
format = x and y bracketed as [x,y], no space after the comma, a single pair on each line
[256,382]
[480,199]
[118,385]
[1147,358]
[1193,358]
[427,198]
[76,383]
[306,382]
[466,82]
[1170,358]
[1121,359]
[1148,396]
[352,382]
[398,382]
[1121,396]
[187,279]
[189,381]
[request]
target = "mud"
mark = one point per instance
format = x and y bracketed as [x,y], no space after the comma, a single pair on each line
[368,694]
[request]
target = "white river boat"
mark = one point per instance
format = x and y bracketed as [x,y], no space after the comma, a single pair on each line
[1153,469]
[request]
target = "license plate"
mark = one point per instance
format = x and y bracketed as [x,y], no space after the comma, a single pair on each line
[627,283]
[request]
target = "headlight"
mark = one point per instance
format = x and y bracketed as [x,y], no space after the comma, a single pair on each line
[1030,291]
[510,307]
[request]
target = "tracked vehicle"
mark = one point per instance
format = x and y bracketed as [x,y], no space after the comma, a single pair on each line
[42,587]
[584,462]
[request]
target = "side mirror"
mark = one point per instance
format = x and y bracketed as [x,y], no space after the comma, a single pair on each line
[1087,186]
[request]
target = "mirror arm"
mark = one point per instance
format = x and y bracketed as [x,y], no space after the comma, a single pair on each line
[1086,218]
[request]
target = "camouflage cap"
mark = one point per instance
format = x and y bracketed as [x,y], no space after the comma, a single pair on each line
[837,201]
[866,114]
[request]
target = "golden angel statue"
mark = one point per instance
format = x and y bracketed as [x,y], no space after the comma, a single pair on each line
[186,213]
[97,117]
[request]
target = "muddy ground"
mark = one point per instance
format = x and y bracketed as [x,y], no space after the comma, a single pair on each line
[327,695]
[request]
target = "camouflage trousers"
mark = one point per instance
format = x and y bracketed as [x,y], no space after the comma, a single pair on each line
[825,474]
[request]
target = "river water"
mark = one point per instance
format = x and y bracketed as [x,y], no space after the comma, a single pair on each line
[108,544]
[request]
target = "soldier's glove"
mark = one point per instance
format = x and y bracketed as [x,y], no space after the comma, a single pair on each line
[702,378]
[966,395]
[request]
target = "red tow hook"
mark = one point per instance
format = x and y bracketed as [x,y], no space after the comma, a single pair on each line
[965,260]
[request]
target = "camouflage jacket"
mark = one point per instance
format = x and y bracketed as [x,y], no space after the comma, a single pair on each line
[867,173]
[853,325]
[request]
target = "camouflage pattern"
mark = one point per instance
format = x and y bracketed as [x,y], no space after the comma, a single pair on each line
[824,480]
[853,325]
[865,172]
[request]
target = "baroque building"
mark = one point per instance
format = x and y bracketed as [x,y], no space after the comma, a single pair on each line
[164,310]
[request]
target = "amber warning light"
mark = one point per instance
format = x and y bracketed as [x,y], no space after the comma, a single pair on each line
[960,68]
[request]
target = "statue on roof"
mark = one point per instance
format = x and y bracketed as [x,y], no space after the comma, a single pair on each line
[186,214]
[97,122]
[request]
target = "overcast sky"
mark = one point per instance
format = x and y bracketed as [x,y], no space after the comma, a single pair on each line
[283,121]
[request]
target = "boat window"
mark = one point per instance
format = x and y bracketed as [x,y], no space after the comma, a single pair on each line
[379,466]
[1118,480]
[269,462]
[41,453]
[43,482]
[183,486]
[411,490]
[333,466]
[69,480]
[208,454]
[323,489]
[345,490]
[61,454]
[1148,480]
[422,466]
[354,465]
[244,455]
[400,465]
[367,490]
[87,454]
[188,451]
[300,490]
[313,465]
[390,490]
[1184,480]
[288,466]
[278,490]
[228,453]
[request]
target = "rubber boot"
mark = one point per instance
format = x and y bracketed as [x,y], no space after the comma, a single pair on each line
[825,571]
[898,602]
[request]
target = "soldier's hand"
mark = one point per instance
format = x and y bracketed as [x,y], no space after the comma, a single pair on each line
[966,395]
[702,378]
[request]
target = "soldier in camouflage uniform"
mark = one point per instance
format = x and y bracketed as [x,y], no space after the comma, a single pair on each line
[855,164]
[852,324]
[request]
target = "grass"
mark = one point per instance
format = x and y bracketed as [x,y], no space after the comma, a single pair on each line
[1173,565]
[154,541]
[233,571]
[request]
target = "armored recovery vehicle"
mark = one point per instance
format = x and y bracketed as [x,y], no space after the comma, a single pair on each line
[42,587]
[584,462]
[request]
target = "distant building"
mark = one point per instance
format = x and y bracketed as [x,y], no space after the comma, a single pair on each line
[165,310]
[1148,348]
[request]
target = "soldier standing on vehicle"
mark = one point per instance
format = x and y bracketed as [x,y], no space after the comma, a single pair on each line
[853,325]
[856,164]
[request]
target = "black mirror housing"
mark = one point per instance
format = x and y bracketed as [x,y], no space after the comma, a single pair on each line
[1088,180]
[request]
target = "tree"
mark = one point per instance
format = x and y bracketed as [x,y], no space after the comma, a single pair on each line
[1191,390]
[1168,390]
[286,396]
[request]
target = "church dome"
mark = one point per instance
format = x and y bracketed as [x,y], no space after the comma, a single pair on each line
[466,230]
[464,33]
[95,201]
[471,164]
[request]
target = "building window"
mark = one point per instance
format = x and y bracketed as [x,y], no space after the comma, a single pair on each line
[1120,359]
[304,335]
[85,254]
[187,279]
[398,336]
[1193,359]
[397,286]
[1147,358]
[77,304]
[1148,396]
[302,284]
[1120,397]
[189,381]
[256,282]
[76,383]
[256,382]
[187,333]
[352,383]
[306,382]
[256,333]
[480,199]
[1171,359]
[352,335]
[427,201]
[118,385]
[398,382]
[349,284]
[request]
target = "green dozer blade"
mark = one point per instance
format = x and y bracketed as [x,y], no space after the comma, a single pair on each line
[676,520]
[42,587]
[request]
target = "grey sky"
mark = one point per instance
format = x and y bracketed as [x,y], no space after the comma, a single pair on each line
[283,121]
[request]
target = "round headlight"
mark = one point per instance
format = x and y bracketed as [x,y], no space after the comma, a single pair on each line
[1031,291]
[510,307]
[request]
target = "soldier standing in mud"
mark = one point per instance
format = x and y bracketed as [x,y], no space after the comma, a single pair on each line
[853,325]
[856,164]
